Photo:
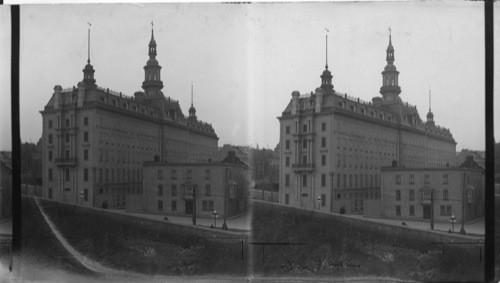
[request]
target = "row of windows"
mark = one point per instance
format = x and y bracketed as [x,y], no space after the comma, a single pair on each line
[304,128]
[173,205]
[445,210]
[367,181]
[206,205]
[70,122]
[411,179]
[304,143]
[67,154]
[67,137]
[425,195]
[188,174]
[132,176]
[188,191]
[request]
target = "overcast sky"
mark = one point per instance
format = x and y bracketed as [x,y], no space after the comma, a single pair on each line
[245,60]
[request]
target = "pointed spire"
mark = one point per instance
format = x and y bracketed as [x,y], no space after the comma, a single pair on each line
[430,116]
[152,43]
[191,93]
[326,77]
[326,65]
[88,58]
[429,99]
[192,110]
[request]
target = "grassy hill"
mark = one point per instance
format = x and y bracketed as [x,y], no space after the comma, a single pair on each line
[328,246]
[145,246]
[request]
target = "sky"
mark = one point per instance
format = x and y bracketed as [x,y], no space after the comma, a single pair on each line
[5,113]
[245,60]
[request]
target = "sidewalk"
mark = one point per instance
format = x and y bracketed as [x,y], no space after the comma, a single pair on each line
[240,222]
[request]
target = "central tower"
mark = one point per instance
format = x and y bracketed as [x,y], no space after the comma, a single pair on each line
[152,84]
[390,89]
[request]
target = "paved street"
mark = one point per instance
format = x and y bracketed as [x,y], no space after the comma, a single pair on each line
[241,222]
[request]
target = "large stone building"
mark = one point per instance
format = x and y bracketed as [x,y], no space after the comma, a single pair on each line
[332,146]
[194,188]
[411,193]
[96,140]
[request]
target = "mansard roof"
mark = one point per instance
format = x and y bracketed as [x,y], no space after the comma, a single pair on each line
[397,114]
[159,108]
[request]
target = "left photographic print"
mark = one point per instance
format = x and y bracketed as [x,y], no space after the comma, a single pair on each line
[122,176]
[5,145]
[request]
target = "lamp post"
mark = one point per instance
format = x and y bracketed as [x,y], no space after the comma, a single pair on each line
[215,214]
[318,199]
[462,230]
[453,219]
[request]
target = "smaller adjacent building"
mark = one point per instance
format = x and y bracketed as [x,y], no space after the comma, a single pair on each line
[194,188]
[411,193]
[5,184]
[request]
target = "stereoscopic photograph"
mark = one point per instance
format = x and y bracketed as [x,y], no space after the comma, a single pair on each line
[305,141]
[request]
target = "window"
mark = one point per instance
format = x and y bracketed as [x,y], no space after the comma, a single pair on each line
[287,130]
[100,175]
[287,161]
[398,210]
[323,142]
[67,174]
[208,190]
[287,198]
[160,205]
[350,180]
[398,194]
[173,174]
[412,195]
[304,159]
[287,180]
[304,180]
[50,193]
[204,205]
[287,144]
[173,190]
[232,191]
[323,180]
[86,194]
[50,138]
[174,205]
[304,128]
[67,154]
[86,154]
[160,190]
[210,205]
[67,122]
[345,178]
[50,124]
[107,175]
[445,179]
[442,210]
[188,174]
[160,174]
[412,179]
[323,127]
[85,121]
[445,194]
[85,136]
[323,160]
[323,200]
[426,179]
[207,174]
[398,179]
[86,174]
[67,137]
[50,174]
[448,210]
[338,181]
[50,155]
[304,144]
[412,210]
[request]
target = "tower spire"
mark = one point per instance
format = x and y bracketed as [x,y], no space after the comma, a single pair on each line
[390,89]
[192,110]
[152,83]
[326,77]
[88,47]
[430,115]
[88,71]
[430,99]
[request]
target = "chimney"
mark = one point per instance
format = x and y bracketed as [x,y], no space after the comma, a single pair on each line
[57,96]
[295,102]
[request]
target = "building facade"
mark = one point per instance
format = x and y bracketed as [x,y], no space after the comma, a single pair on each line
[95,140]
[333,146]
[195,188]
[5,184]
[411,193]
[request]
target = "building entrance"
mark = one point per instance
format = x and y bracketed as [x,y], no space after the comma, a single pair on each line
[189,207]
[427,211]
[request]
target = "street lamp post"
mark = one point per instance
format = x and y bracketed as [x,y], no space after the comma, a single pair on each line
[453,219]
[318,199]
[462,230]
[215,215]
